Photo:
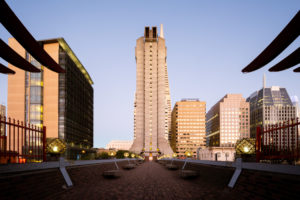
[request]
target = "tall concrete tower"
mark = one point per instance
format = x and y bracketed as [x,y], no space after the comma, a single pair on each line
[152,99]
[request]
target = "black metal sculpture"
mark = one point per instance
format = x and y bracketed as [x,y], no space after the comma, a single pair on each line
[5,70]
[15,59]
[11,22]
[280,43]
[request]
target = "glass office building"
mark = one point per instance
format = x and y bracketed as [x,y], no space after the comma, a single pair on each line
[269,106]
[61,102]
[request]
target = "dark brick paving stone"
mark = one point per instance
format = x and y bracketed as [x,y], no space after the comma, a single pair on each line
[149,181]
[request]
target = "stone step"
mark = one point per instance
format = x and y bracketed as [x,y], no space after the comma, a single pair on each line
[112,173]
[188,174]
[172,167]
[129,166]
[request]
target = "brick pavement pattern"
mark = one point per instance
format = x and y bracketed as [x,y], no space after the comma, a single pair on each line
[148,181]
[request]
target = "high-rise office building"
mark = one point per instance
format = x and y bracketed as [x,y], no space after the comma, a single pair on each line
[188,126]
[268,106]
[2,110]
[152,99]
[227,121]
[295,102]
[2,114]
[61,102]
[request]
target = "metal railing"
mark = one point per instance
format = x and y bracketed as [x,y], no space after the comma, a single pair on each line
[21,142]
[278,142]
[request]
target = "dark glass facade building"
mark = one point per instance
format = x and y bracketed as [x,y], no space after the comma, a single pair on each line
[268,106]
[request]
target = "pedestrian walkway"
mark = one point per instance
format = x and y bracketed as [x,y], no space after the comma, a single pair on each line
[148,181]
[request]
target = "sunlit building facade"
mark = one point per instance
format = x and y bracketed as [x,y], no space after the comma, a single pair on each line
[295,102]
[152,109]
[61,102]
[119,144]
[227,121]
[188,126]
[217,154]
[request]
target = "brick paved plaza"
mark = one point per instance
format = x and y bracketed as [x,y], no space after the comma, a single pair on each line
[148,181]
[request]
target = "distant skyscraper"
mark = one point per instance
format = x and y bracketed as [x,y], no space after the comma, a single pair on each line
[269,105]
[61,102]
[152,99]
[188,126]
[227,121]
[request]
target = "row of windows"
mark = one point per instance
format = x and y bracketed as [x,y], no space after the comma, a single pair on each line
[195,113]
[234,109]
[182,119]
[189,131]
[191,123]
[193,145]
[233,123]
[233,120]
[190,106]
[199,126]
[233,113]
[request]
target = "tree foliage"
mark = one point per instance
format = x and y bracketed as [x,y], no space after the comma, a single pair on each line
[120,153]
[103,155]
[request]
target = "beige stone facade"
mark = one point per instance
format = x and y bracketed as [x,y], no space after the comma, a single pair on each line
[152,98]
[217,154]
[119,144]
[227,121]
[188,126]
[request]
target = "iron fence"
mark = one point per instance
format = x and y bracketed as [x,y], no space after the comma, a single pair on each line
[21,142]
[278,142]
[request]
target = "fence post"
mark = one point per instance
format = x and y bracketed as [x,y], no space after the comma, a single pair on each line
[258,143]
[44,144]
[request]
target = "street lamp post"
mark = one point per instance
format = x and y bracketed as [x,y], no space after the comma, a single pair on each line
[188,154]
[56,147]
[112,173]
[129,165]
[112,153]
[188,173]
[174,155]
[126,155]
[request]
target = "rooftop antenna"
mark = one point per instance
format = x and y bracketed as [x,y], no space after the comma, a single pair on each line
[264,81]
[161,31]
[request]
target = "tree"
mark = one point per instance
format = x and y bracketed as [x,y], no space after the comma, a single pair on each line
[120,154]
[103,155]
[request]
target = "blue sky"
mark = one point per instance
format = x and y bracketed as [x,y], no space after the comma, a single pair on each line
[208,44]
